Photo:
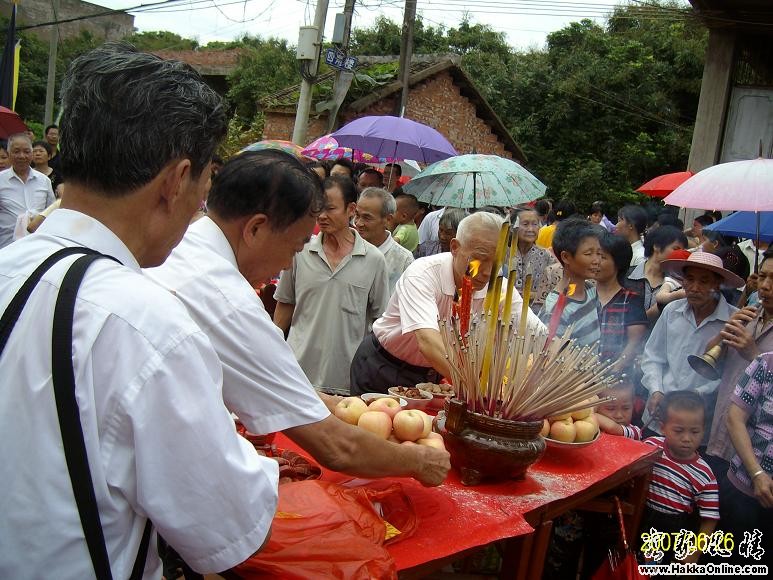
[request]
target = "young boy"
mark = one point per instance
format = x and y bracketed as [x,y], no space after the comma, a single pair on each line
[576,245]
[405,233]
[615,417]
[681,480]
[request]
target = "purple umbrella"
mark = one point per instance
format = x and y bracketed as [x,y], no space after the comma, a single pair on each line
[395,137]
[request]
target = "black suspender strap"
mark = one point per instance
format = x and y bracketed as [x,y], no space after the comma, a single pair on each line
[67,405]
[69,416]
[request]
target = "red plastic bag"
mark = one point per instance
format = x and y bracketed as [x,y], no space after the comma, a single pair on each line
[621,564]
[326,530]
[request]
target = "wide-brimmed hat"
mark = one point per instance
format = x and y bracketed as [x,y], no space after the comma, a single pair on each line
[707,261]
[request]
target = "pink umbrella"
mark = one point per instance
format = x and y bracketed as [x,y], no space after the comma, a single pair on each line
[737,185]
[326,147]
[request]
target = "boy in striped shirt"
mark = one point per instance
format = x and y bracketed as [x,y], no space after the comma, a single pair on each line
[683,492]
[614,417]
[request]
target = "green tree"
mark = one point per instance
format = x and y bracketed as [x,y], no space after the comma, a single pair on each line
[161,40]
[264,67]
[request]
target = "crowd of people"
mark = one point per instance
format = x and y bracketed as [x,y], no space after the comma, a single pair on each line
[169,337]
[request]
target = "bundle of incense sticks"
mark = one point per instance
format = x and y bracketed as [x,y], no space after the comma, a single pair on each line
[518,373]
[528,378]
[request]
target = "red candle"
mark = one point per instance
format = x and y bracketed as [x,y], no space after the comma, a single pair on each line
[558,310]
[465,308]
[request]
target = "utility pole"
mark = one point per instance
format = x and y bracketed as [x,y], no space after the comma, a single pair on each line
[343,79]
[50,82]
[307,83]
[406,52]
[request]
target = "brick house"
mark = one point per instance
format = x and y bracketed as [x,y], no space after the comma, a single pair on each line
[441,95]
[213,65]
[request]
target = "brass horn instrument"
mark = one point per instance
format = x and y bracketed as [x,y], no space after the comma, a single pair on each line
[707,364]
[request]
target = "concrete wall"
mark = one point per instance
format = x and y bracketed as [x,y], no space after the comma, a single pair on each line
[112,27]
[436,102]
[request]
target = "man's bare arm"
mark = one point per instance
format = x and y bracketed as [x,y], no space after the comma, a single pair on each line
[342,447]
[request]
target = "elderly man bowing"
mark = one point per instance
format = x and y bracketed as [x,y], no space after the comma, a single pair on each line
[405,347]
[261,211]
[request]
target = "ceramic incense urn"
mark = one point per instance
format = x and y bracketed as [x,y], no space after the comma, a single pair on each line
[486,448]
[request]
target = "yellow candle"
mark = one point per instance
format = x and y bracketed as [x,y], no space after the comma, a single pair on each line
[488,303]
[525,305]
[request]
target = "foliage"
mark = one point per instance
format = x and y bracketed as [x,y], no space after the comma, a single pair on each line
[152,41]
[264,67]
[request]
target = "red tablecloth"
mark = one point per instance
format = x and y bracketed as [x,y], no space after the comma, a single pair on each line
[454,518]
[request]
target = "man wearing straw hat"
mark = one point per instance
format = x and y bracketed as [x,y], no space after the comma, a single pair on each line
[685,328]
[406,347]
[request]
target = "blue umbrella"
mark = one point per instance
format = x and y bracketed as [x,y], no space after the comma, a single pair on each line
[744,224]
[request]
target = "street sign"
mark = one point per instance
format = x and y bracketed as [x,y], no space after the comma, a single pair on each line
[337,58]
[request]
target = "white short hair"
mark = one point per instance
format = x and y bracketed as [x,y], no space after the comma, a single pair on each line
[388,203]
[480,221]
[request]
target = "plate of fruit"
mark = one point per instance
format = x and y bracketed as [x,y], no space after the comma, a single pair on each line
[571,431]
[387,420]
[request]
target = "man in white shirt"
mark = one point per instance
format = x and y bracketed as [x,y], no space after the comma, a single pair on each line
[375,207]
[261,211]
[405,347]
[685,328]
[428,230]
[23,190]
[159,443]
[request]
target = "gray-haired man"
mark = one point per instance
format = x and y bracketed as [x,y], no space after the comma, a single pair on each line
[374,209]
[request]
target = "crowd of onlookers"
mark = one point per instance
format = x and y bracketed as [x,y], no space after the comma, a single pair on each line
[649,291]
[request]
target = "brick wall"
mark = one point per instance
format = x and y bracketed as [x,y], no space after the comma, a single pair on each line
[436,102]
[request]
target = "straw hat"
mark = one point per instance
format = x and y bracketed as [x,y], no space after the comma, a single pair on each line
[707,261]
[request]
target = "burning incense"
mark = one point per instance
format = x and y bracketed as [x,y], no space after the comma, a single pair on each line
[525,306]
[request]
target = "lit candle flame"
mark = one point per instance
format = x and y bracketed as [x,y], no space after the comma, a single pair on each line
[572,288]
[472,268]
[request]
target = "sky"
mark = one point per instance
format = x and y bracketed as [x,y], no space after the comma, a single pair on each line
[526,23]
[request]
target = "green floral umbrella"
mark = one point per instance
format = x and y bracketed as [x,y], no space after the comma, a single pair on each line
[474,181]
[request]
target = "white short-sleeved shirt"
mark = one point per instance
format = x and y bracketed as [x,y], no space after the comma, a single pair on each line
[18,197]
[262,382]
[333,309]
[397,260]
[160,442]
[428,229]
[424,293]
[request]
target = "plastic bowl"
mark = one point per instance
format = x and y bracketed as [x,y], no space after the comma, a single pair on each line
[370,397]
[561,445]
[422,403]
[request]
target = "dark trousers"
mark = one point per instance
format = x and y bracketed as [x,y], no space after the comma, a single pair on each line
[374,370]
[741,513]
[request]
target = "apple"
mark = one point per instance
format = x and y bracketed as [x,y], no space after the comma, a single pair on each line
[592,419]
[436,441]
[349,409]
[586,431]
[387,405]
[377,422]
[427,425]
[582,414]
[409,425]
[560,418]
[563,431]
[545,428]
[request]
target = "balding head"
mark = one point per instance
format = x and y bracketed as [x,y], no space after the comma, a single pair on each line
[476,239]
